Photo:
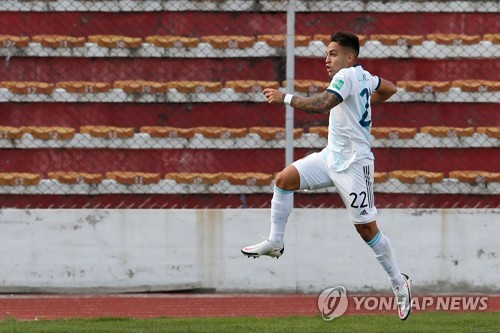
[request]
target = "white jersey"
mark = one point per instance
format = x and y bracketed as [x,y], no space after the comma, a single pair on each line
[350,121]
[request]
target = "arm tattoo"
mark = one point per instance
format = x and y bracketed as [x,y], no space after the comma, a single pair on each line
[315,104]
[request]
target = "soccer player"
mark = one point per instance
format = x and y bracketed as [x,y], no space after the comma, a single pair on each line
[346,162]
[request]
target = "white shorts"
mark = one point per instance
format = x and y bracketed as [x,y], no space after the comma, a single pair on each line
[355,184]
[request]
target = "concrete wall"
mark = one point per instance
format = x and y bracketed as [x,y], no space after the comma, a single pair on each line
[455,250]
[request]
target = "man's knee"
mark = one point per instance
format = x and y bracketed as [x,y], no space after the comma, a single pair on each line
[288,179]
[367,231]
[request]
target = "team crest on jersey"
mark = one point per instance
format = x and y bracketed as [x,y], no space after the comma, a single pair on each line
[338,84]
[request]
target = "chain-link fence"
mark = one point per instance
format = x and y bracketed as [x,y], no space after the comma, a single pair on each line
[159,104]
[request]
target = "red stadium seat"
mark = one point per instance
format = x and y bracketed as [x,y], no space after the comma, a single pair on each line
[173,41]
[469,176]
[83,87]
[308,86]
[17,41]
[194,177]
[417,176]
[19,179]
[73,177]
[401,40]
[394,132]
[50,133]
[11,133]
[280,40]
[424,86]
[454,39]
[445,131]
[251,86]
[108,132]
[221,132]
[229,42]
[142,87]
[196,86]
[116,41]
[56,41]
[168,132]
[248,178]
[274,133]
[28,87]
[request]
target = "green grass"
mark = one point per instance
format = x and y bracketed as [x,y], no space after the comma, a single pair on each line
[421,322]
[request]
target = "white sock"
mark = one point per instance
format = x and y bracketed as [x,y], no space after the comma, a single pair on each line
[382,247]
[281,207]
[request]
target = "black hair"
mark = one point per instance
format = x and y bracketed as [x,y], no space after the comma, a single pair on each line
[346,39]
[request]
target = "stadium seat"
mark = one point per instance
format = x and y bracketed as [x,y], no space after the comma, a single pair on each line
[494,38]
[492,132]
[326,38]
[116,41]
[56,41]
[381,177]
[27,87]
[251,86]
[11,133]
[17,41]
[173,41]
[72,177]
[82,87]
[142,87]
[274,133]
[417,176]
[221,132]
[133,178]
[424,86]
[50,133]
[280,40]
[194,177]
[168,132]
[196,86]
[394,132]
[308,86]
[248,178]
[321,131]
[477,85]
[108,132]
[229,42]
[445,131]
[401,40]
[454,39]
[19,179]
[470,176]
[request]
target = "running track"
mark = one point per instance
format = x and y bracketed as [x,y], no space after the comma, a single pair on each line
[35,307]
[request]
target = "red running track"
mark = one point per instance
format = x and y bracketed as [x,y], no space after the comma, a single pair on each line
[49,307]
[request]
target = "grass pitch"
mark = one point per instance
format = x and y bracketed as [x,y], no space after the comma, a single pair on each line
[421,322]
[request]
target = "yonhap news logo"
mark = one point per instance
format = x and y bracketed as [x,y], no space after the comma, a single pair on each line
[333,303]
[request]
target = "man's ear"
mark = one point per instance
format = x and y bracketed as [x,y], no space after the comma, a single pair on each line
[351,57]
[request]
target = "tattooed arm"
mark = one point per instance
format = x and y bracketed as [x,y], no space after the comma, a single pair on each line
[315,104]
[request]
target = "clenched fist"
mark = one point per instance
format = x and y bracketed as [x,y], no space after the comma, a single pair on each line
[274,96]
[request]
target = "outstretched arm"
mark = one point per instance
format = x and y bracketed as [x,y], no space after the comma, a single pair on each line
[315,104]
[384,92]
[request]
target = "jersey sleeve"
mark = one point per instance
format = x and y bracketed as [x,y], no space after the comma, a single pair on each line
[340,85]
[376,81]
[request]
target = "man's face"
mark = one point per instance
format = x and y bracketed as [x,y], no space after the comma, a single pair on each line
[337,57]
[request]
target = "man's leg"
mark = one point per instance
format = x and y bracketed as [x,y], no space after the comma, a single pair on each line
[287,181]
[307,173]
[382,247]
[355,186]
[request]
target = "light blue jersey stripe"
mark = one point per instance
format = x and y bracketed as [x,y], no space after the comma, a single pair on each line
[277,189]
[374,239]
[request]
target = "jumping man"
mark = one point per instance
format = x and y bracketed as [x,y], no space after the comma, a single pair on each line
[346,162]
